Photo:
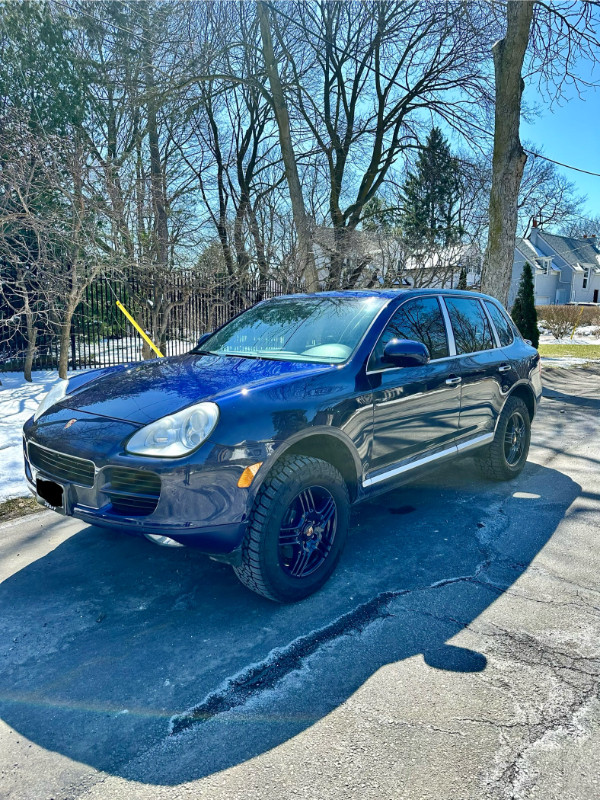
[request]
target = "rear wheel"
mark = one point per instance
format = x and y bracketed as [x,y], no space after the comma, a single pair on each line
[297,529]
[506,456]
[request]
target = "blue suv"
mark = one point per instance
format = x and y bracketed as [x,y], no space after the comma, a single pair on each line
[253,446]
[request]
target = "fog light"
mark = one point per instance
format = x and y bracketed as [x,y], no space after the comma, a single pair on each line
[248,474]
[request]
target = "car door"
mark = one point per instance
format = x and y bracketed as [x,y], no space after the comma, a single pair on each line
[416,409]
[482,366]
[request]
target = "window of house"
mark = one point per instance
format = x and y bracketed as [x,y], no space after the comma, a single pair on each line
[501,323]
[544,264]
[586,277]
[470,324]
[420,320]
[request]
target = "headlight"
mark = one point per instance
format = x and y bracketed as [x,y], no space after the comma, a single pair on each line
[56,393]
[177,434]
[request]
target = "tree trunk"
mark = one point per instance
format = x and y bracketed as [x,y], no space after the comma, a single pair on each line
[159,206]
[263,267]
[65,343]
[306,255]
[31,348]
[509,157]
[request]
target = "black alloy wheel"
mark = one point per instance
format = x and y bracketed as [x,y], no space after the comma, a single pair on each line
[507,455]
[297,529]
[307,533]
[514,438]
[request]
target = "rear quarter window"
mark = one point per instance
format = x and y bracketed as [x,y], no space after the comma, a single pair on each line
[501,323]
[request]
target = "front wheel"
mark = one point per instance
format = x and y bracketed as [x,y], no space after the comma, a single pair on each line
[506,456]
[297,530]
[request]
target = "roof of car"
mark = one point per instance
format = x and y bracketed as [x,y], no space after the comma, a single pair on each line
[389,293]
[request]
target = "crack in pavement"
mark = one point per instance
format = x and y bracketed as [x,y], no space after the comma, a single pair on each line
[578,681]
[280,662]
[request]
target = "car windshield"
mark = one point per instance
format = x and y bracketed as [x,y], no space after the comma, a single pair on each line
[321,329]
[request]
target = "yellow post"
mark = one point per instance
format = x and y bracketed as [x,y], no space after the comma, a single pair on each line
[576,324]
[141,332]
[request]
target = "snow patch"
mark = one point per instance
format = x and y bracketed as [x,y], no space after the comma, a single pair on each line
[18,401]
[564,361]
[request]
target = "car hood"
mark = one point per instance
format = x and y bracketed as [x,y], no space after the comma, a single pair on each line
[144,392]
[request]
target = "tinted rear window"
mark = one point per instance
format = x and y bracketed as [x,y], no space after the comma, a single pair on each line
[470,324]
[501,323]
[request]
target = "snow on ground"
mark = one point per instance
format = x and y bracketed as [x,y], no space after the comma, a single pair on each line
[564,361]
[18,400]
[129,348]
[585,334]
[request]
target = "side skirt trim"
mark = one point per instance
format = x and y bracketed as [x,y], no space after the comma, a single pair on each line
[457,448]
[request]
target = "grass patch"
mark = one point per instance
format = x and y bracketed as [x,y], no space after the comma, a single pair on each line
[18,507]
[590,351]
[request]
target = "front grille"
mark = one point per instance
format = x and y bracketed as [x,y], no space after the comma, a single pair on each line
[133,492]
[62,466]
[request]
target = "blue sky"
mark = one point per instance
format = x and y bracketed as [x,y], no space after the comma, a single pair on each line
[569,133]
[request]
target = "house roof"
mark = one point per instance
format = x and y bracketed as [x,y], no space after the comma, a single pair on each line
[532,254]
[527,250]
[574,251]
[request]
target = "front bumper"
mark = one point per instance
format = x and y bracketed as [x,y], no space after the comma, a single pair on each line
[198,502]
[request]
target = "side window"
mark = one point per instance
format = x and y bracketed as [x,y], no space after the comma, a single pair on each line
[419,319]
[501,323]
[470,324]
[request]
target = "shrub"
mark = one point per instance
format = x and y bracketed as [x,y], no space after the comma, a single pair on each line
[561,321]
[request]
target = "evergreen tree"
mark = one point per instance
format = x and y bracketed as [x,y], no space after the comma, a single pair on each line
[431,216]
[523,311]
[378,216]
[462,279]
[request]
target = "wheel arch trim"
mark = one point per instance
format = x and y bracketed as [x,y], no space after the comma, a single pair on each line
[291,445]
[523,390]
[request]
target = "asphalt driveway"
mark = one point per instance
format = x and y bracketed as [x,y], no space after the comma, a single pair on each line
[454,654]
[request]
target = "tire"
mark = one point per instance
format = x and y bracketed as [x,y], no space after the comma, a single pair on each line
[506,456]
[285,557]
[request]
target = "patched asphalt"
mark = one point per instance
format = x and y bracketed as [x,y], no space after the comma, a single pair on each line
[454,654]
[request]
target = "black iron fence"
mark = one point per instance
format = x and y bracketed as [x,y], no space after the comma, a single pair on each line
[174,311]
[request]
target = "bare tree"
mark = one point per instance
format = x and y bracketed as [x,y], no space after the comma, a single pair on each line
[509,157]
[548,38]
[361,77]
[582,225]
[546,195]
[49,229]
[306,256]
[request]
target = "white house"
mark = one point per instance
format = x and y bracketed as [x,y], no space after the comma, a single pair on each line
[565,269]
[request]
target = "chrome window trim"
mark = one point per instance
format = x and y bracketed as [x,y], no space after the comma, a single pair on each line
[449,328]
[493,330]
[456,448]
[449,335]
[506,316]
[492,326]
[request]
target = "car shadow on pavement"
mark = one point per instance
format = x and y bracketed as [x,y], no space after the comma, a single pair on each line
[108,639]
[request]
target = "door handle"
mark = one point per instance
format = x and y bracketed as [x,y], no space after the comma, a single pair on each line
[503,367]
[453,381]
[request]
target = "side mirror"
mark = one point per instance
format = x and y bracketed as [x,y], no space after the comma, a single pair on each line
[203,338]
[405,353]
